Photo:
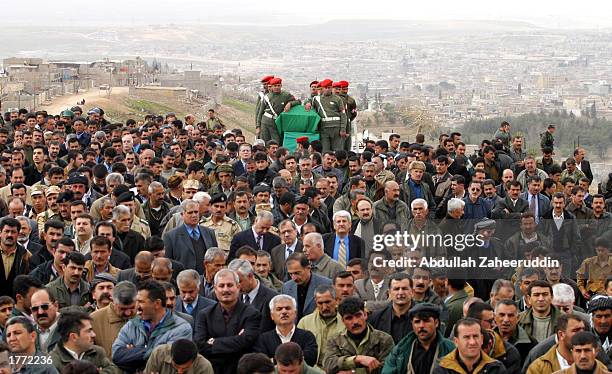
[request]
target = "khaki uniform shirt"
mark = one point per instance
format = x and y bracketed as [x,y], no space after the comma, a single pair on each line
[224,231]
[591,276]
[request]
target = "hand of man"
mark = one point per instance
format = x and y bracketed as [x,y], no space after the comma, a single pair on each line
[287,107]
[370,363]
[343,134]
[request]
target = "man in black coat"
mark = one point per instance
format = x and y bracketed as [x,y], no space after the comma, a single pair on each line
[509,210]
[257,237]
[284,314]
[393,318]
[253,292]
[229,329]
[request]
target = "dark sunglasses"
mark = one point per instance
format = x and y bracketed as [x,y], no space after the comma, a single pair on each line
[43,307]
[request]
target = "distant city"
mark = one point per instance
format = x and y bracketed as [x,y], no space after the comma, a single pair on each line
[457,71]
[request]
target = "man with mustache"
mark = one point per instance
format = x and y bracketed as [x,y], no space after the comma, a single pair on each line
[21,339]
[53,232]
[229,329]
[584,351]
[325,321]
[361,348]
[71,288]
[600,309]
[506,321]
[393,318]
[468,357]
[283,313]
[45,313]
[540,321]
[154,325]
[102,286]
[52,269]
[423,346]
[421,287]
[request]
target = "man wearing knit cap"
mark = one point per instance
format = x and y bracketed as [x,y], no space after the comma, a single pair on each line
[260,98]
[273,104]
[600,309]
[331,109]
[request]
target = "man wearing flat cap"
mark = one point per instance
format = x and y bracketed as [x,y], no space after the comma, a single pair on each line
[332,110]
[138,225]
[224,227]
[102,286]
[273,104]
[225,177]
[423,346]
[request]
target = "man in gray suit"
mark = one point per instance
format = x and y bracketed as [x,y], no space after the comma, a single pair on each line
[374,289]
[539,204]
[188,242]
[190,301]
[302,284]
[290,245]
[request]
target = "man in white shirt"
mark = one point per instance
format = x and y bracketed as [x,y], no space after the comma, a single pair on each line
[45,312]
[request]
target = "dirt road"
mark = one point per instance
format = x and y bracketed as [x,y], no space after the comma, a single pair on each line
[93,97]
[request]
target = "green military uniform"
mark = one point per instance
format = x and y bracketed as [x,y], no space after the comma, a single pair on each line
[211,122]
[351,114]
[45,216]
[258,115]
[341,351]
[273,104]
[224,231]
[141,226]
[504,137]
[547,140]
[333,121]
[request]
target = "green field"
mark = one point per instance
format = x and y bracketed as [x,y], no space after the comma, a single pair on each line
[149,107]
[239,105]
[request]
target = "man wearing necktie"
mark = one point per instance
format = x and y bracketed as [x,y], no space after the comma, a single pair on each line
[341,245]
[538,203]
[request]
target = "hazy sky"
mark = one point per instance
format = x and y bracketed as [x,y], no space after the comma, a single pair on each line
[549,13]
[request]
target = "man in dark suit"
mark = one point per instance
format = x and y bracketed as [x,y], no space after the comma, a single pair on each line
[538,203]
[141,271]
[290,244]
[302,284]
[9,232]
[283,311]
[190,301]
[393,318]
[188,242]
[509,210]
[342,241]
[229,329]
[561,226]
[257,237]
[244,152]
[253,292]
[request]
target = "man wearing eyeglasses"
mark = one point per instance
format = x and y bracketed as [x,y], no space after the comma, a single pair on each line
[45,312]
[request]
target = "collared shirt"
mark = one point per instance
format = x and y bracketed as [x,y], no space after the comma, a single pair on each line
[256,236]
[377,286]
[74,354]
[557,219]
[149,328]
[537,205]
[193,304]
[253,293]
[191,230]
[298,226]
[562,361]
[337,248]
[285,338]
[75,296]
[7,260]
[591,275]
[291,248]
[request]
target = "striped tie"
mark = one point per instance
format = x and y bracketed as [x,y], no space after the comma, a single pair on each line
[342,254]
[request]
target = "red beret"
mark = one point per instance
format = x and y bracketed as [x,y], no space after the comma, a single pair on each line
[314,83]
[336,84]
[266,78]
[274,81]
[301,139]
[325,83]
[344,84]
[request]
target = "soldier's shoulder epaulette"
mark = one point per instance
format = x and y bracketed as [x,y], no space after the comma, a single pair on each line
[143,221]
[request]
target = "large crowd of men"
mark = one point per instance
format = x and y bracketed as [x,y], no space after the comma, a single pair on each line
[168,245]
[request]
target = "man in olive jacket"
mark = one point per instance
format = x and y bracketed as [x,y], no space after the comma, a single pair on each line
[344,353]
[77,341]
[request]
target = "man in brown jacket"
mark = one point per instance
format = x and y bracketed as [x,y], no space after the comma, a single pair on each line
[584,350]
[179,357]
[108,321]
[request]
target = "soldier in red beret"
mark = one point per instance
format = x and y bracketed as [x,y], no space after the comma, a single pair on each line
[264,82]
[351,111]
[273,104]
